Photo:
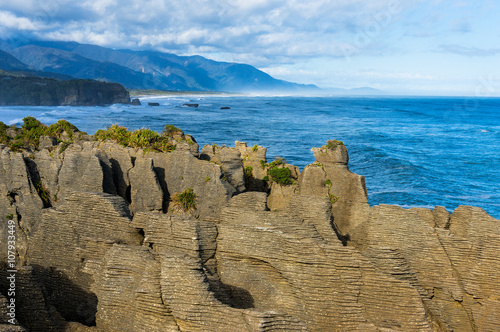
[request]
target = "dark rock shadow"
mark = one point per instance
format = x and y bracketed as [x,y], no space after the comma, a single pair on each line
[160,175]
[47,299]
[343,238]
[235,297]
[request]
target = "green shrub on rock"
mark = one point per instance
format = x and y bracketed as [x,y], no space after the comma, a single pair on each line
[277,172]
[280,175]
[32,129]
[61,126]
[143,138]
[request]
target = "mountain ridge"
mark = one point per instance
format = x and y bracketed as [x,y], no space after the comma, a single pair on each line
[146,69]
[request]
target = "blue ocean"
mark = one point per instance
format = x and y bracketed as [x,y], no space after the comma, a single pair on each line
[414,152]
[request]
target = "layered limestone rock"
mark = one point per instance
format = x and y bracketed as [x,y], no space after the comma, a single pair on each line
[285,264]
[330,177]
[180,170]
[230,161]
[19,201]
[101,247]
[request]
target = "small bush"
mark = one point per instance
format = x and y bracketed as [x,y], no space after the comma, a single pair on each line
[115,133]
[30,123]
[171,130]
[143,138]
[61,126]
[280,175]
[9,216]
[32,129]
[255,148]
[185,200]
[207,179]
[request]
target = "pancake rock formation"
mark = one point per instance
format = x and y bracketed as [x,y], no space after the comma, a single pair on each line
[117,238]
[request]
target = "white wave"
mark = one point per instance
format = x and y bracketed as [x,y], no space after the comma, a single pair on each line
[15,121]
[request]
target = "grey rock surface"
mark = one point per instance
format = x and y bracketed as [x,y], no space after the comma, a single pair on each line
[100,248]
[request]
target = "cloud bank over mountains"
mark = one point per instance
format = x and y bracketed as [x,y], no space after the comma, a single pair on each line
[329,42]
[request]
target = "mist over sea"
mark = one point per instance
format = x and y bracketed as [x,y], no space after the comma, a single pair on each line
[413,151]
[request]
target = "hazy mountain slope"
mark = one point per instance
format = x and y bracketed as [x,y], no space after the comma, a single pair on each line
[9,62]
[146,69]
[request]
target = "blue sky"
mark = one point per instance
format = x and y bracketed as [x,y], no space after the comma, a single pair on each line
[437,47]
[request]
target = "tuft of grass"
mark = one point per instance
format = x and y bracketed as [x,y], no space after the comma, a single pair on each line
[185,200]
[9,216]
[207,179]
[255,148]
[332,144]
[15,146]
[43,193]
[333,198]
[64,146]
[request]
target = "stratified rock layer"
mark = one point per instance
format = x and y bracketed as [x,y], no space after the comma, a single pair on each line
[101,247]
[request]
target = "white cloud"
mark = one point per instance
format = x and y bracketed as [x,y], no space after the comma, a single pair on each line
[9,20]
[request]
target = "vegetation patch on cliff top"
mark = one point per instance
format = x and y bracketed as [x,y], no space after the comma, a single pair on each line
[31,130]
[332,144]
[140,138]
[144,138]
